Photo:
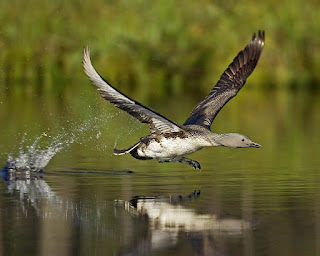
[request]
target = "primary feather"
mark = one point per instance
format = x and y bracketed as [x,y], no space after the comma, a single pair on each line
[229,84]
[157,122]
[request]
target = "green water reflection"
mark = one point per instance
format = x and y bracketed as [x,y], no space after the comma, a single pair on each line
[274,191]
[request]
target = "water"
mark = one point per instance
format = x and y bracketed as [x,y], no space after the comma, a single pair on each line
[89,202]
[35,157]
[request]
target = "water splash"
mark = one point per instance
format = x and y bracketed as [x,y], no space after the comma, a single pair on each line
[36,156]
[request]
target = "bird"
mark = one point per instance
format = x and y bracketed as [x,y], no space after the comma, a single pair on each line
[169,141]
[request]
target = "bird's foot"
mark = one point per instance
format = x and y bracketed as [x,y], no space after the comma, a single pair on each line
[196,165]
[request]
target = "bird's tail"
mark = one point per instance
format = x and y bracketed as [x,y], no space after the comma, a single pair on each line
[124,151]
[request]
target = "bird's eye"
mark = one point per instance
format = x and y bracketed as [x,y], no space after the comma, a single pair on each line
[242,139]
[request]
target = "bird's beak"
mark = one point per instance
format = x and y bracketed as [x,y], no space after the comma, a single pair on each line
[255,145]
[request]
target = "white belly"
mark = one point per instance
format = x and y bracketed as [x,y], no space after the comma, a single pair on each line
[169,148]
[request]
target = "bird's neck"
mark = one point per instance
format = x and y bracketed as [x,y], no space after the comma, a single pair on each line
[218,139]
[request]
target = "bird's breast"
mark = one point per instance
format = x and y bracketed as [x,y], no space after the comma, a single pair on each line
[171,147]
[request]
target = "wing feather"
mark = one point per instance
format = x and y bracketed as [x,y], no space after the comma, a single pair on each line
[229,84]
[157,122]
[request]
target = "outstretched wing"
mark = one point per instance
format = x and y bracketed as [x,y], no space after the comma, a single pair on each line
[157,122]
[229,84]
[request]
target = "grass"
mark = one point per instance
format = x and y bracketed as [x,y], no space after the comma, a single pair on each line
[152,48]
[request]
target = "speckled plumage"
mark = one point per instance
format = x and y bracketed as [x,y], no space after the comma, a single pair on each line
[169,141]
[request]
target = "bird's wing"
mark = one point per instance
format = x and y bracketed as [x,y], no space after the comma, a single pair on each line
[157,122]
[229,84]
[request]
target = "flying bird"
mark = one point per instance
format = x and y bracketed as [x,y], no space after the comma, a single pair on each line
[170,141]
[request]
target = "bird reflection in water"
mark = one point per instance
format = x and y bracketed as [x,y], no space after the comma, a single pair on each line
[164,221]
[168,218]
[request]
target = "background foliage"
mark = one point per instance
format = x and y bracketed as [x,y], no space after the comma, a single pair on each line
[180,45]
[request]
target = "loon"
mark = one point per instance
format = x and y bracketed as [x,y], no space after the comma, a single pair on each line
[170,141]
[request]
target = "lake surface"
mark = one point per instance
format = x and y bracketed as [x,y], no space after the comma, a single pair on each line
[89,202]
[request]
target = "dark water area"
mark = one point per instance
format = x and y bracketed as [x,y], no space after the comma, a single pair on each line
[89,202]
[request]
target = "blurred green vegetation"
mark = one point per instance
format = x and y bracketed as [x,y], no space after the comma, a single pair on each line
[152,48]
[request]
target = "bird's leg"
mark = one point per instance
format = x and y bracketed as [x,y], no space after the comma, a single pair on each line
[183,160]
[188,161]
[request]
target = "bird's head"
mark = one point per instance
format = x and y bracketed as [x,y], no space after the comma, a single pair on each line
[236,140]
